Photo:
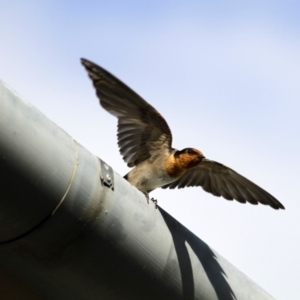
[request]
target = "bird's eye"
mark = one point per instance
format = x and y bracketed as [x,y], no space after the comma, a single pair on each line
[190,151]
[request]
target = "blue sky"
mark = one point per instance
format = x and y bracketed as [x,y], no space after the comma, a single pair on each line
[224,74]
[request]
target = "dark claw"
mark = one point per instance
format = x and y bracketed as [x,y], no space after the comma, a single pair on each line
[155,202]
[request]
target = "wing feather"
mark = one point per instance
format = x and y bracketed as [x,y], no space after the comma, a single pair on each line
[139,123]
[220,180]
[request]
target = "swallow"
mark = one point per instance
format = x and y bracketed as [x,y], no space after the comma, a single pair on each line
[145,142]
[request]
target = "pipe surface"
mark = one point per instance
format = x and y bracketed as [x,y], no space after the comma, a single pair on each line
[72,228]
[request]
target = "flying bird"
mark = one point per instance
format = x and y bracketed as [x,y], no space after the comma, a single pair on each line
[145,142]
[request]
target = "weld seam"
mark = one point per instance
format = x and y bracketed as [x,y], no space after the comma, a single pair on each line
[71,179]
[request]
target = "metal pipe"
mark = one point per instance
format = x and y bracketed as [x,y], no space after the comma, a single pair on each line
[72,228]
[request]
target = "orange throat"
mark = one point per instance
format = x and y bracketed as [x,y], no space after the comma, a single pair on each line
[177,166]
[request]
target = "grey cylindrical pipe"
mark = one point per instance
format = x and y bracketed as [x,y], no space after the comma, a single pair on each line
[65,234]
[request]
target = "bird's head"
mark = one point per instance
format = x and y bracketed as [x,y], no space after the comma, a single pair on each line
[188,158]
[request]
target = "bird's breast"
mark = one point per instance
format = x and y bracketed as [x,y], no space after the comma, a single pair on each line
[148,176]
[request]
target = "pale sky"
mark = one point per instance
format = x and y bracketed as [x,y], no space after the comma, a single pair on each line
[224,74]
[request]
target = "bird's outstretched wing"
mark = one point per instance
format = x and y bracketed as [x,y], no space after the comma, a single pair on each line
[142,130]
[220,180]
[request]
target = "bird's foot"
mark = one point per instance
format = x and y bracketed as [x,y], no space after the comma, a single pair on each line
[155,202]
[147,196]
